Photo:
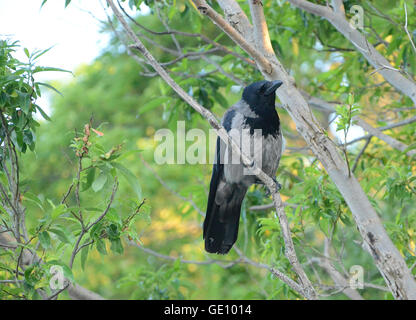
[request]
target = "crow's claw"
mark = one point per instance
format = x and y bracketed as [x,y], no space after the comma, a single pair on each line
[278,185]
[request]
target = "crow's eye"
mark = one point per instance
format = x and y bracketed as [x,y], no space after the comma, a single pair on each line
[262,89]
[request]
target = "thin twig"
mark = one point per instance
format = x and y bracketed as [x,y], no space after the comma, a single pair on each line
[357,159]
[384,128]
[407,31]
[188,34]
[163,183]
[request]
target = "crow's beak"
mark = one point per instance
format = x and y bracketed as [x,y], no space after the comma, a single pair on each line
[272,86]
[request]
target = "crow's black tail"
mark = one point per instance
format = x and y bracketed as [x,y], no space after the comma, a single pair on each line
[222,220]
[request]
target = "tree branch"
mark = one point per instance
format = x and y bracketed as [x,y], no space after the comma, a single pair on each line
[357,159]
[387,139]
[221,263]
[338,7]
[337,277]
[205,9]
[270,206]
[407,31]
[384,128]
[294,285]
[237,19]
[261,32]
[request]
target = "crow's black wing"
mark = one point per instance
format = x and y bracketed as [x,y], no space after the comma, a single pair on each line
[217,173]
[217,170]
[224,203]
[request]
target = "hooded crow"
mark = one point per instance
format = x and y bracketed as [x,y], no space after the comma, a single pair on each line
[254,125]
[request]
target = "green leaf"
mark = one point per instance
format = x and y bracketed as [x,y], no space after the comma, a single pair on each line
[153,104]
[101,247]
[60,234]
[99,183]
[57,211]
[67,2]
[24,101]
[43,113]
[45,239]
[130,177]
[38,54]
[68,273]
[113,216]
[51,203]
[84,255]
[113,232]
[46,69]
[177,264]
[31,275]
[220,99]
[33,198]
[50,87]
[90,179]
[117,246]
[410,147]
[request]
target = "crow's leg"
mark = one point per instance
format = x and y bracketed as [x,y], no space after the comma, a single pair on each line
[279,186]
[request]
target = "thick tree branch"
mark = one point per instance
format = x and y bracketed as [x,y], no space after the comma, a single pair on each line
[311,7]
[387,258]
[237,19]
[261,31]
[338,6]
[205,9]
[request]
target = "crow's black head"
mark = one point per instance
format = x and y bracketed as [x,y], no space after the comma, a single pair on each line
[261,95]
